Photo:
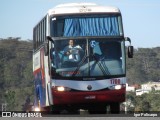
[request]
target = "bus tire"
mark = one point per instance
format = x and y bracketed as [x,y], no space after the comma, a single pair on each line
[115,108]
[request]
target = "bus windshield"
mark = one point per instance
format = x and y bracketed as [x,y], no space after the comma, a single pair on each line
[88,57]
[90,25]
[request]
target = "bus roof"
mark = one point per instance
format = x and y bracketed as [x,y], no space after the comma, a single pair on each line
[78,8]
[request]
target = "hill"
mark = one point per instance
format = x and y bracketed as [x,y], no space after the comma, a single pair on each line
[16,77]
[145,66]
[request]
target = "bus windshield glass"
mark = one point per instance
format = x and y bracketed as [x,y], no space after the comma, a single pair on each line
[88,57]
[90,25]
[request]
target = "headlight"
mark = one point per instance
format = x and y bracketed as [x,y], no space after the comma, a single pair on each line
[61,89]
[36,109]
[117,87]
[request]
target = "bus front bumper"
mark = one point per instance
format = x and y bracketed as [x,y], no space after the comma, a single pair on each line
[85,97]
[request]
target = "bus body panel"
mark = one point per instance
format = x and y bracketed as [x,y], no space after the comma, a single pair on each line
[81,8]
[41,76]
[102,91]
[81,85]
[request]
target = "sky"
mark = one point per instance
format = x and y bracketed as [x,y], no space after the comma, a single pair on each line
[141,18]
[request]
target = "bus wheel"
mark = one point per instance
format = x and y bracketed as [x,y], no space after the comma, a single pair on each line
[55,109]
[73,111]
[115,108]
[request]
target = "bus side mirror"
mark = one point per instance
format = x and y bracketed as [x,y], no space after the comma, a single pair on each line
[51,53]
[130,48]
[50,39]
[46,45]
[130,51]
[46,48]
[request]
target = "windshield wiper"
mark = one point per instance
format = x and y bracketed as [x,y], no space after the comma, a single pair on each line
[102,66]
[79,65]
[104,69]
[83,60]
[87,55]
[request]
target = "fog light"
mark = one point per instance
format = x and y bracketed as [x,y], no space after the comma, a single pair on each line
[117,87]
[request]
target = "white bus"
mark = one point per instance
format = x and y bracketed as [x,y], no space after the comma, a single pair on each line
[79,59]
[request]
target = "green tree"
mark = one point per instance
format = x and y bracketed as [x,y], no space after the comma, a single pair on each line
[148,102]
[16,78]
[10,100]
[130,101]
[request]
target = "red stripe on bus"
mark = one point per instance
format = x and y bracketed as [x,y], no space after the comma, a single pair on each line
[36,71]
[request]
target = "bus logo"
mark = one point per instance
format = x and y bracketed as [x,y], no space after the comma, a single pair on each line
[89,87]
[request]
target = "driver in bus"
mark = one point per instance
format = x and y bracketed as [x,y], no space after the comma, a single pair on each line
[72,51]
